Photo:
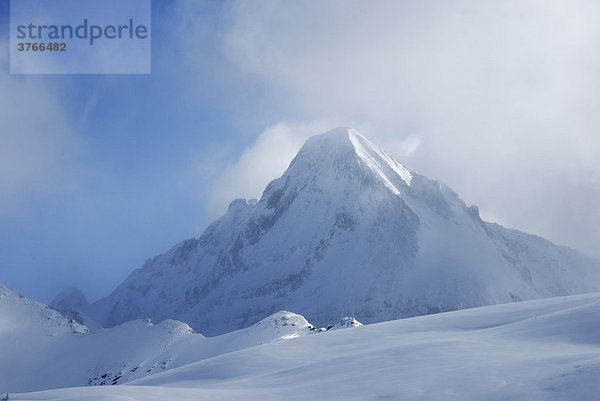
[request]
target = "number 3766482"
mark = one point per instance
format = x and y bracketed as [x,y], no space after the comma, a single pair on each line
[42,47]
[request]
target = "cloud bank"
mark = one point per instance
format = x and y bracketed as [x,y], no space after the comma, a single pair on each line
[497,99]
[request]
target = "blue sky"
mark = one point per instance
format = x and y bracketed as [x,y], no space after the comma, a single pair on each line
[104,171]
[121,194]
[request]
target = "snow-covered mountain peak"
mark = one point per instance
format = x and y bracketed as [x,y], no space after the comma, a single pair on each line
[70,298]
[343,152]
[345,231]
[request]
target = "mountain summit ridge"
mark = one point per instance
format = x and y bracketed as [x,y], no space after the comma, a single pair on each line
[345,231]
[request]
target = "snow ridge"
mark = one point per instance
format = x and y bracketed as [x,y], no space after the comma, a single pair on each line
[378,160]
[42,349]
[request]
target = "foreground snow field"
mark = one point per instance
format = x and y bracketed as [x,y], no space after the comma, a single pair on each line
[536,350]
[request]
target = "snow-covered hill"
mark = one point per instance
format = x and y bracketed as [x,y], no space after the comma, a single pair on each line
[346,231]
[545,349]
[42,349]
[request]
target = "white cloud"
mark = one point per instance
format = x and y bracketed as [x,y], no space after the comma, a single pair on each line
[266,159]
[38,147]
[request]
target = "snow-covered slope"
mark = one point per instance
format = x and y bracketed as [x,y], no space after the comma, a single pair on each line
[29,332]
[346,230]
[545,349]
[42,349]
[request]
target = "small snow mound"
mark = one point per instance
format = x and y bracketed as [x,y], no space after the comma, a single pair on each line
[283,319]
[175,327]
[345,323]
[138,324]
[282,325]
